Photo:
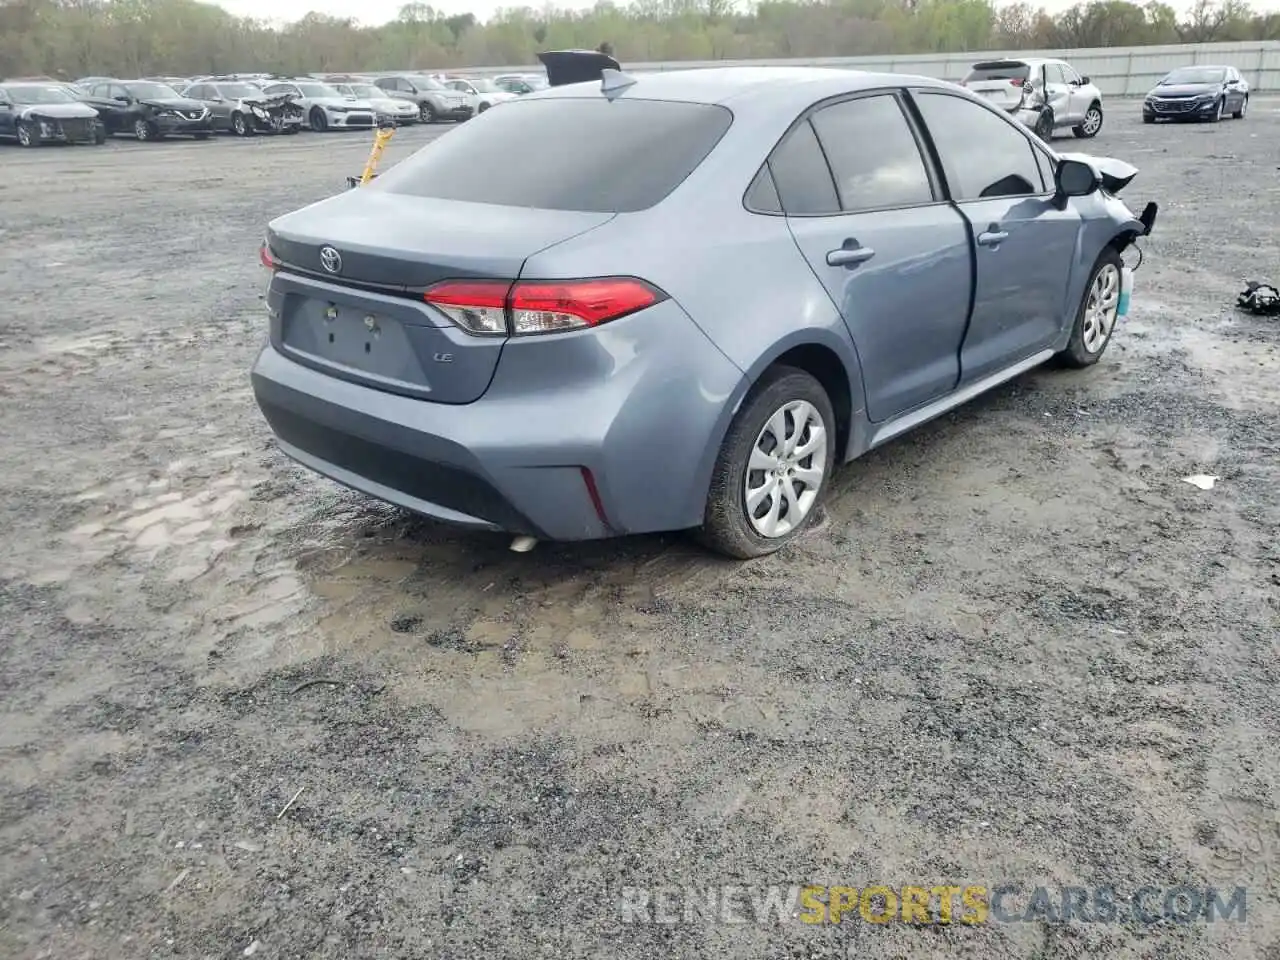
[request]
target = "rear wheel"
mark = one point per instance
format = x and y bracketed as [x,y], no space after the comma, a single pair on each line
[1244,105]
[1096,318]
[1092,122]
[1044,125]
[319,122]
[28,134]
[772,468]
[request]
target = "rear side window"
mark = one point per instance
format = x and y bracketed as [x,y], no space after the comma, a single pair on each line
[801,175]
[999,70]
[983,155]
[586,155]
[873,154]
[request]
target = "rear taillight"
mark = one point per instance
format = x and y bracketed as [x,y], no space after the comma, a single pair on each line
[1017,81]
[266,259]
[488,307]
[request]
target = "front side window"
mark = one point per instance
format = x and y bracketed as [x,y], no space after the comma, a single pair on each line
[983,155]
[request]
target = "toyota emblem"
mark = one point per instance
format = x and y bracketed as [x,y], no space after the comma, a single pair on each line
[330,259]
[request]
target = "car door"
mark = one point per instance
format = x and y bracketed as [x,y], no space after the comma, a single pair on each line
[115,117]
[8,115]
[866,211]
[1002,183]
[1080,95]
[1058,95]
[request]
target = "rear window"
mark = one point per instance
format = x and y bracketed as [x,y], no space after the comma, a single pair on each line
[592,156]
[999,70]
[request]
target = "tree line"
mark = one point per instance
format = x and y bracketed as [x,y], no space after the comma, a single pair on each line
[133,38]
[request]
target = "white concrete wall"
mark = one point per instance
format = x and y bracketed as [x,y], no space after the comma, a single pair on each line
[1118,71]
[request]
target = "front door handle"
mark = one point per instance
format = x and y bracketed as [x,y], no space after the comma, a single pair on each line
[849,255]
[992,236]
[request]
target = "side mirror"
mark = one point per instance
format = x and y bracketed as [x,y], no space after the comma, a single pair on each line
[1075,179]
[1083,81]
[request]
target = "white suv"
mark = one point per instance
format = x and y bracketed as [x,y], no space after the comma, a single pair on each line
[1046,95]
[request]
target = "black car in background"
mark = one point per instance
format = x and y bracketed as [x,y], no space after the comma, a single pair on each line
[36,113]
[1197,93]
[147,110]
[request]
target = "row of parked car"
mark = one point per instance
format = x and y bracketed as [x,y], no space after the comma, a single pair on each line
[1050,95]
[41,110]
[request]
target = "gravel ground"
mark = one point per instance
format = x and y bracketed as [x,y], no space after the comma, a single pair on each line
[1020,650]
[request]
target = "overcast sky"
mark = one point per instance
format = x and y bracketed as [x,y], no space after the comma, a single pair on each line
[374,12]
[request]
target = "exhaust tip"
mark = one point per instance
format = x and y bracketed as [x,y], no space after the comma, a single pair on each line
[523,544]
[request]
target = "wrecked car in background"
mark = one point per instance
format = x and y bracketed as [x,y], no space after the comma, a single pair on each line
[1044,95]
[36,113]
[243,109]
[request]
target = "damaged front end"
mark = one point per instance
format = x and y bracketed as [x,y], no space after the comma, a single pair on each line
[275,114]
[43,127]
[1110,177]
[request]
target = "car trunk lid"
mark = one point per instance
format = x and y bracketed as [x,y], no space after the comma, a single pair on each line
[346,297]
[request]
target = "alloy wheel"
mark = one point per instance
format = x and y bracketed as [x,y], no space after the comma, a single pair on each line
[785,470]
[24,135]
[1100,310]
[141,129]
[1092,121]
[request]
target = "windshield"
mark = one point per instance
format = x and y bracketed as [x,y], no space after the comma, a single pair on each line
[427,83]
[366,90]
[483,86]
[40,95]
[1195,75]
[152,91]
[238,91]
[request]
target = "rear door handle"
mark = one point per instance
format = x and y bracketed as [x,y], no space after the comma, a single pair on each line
[992,236]
[849,255]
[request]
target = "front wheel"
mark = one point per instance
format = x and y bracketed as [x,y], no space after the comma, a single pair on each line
[1218,108]
[239,125]
[1092,122]
[28,134]
[1244,105]
[427,113]
[319,122]
[772,468]
[1096,318]
[144,130]
[99,134]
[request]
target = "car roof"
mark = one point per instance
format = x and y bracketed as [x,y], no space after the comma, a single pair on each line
[720,85]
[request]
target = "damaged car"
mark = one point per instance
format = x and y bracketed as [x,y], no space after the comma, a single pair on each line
[1045,95]
[808,264]
[244,109]
[148,111]
[37,113]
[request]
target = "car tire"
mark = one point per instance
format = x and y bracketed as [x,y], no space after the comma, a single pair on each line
[28,134]
[99,134]
[1146,119]
[1044,126]
[1244,105]
[482,108]
[1218,109]
[730,526]
[144,130]
[427,113]
[1096,317]
[239,125]
[319,122]
[1092,122]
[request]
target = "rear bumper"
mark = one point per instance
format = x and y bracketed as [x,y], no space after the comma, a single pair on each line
[580,436]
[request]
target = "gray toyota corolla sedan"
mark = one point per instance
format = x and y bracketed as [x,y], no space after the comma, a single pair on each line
[678,301]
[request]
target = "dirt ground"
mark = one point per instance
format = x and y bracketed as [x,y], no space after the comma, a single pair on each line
[1020,650]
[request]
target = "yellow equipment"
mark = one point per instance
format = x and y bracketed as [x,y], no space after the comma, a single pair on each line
[381,138]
